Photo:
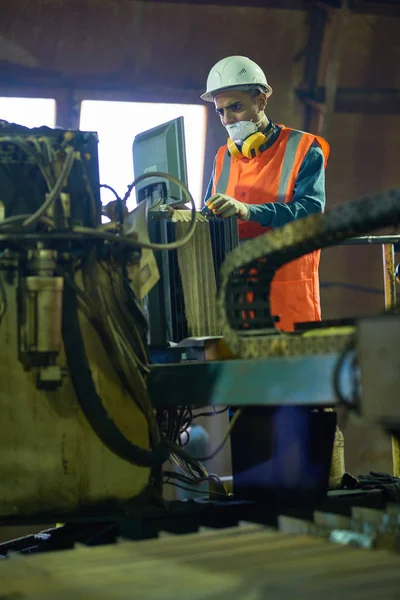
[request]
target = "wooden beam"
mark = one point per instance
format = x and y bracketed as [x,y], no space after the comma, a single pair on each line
[284,4]
[376,7]
[341,20]
[389,8]
[358,101]
[317,20]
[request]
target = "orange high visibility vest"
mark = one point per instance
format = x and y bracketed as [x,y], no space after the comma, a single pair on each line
[271,177]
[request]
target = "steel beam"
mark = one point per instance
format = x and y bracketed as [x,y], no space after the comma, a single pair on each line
[367,240]
[289,381]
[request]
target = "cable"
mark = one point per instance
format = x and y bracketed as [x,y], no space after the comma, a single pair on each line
[108,187]
[96,214]
[51,197]
[225,439]
[129,323]
[191,489]
[119,205]
[9,221]
[211,414]
[129,241]
[56,190]
[90,402]
[23,145]
[191,480]
[181,453]
[117,239]
[151,246]
[112,331]
[191,468]
[196,481]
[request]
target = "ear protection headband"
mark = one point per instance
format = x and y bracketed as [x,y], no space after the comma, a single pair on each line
[251,147]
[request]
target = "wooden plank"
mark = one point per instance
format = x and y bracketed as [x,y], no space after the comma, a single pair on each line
[248,564]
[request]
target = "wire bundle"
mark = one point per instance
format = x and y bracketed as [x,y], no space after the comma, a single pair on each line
[193,472]
[47,159]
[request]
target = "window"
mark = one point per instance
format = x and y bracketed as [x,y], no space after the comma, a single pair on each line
[117,124]
[30,112]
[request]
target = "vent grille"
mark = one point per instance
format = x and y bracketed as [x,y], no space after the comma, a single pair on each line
[165,303]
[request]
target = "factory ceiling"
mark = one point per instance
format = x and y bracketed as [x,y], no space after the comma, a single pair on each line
[377,7]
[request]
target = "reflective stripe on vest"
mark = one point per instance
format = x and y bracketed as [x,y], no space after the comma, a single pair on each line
[287,165]
[288,162]
[223,179]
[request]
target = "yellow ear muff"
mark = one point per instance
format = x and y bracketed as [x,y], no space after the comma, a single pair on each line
[250,147]
[234,150]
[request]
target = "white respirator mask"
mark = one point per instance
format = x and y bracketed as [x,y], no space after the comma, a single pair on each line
[240,131]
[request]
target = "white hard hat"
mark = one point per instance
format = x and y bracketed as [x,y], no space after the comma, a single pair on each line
[236,72]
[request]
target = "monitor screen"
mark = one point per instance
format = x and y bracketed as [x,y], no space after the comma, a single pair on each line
[161,149]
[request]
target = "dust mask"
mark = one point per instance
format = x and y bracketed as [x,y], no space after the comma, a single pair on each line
[240,131]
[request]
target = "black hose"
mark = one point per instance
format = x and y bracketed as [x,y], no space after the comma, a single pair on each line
[88,398]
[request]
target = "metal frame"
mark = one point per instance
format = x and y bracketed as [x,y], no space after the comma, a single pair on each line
[66,109]
[388,244]
[289,381]
[69,99]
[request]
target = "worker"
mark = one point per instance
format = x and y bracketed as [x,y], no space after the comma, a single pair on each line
[268,175]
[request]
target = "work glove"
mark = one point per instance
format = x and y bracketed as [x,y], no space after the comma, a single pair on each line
[226,206]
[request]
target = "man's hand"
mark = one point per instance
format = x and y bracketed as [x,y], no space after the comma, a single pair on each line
[224,205]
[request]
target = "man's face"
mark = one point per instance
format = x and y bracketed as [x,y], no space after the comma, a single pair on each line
[233,106]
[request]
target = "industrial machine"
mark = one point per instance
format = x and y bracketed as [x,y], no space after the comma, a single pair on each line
[88,422]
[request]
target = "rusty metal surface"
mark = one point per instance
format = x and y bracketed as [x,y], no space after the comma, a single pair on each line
[249,562]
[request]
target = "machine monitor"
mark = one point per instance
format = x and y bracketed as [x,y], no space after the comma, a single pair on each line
[161,149]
